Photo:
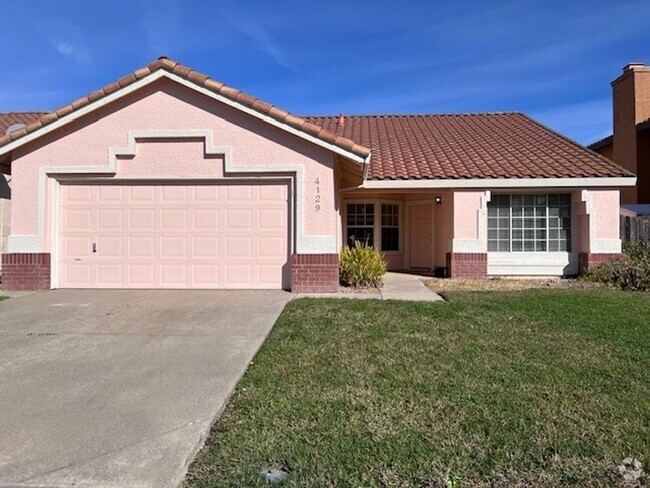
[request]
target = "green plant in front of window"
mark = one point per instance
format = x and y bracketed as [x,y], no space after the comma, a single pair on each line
[361,266]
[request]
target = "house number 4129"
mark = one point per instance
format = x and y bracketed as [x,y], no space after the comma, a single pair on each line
[317,196]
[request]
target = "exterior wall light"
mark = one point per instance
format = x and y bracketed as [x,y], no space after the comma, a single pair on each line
[438,201]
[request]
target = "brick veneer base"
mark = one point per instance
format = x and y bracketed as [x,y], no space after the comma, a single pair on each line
[467,265]
[587,261]
[314,273]
[26,271]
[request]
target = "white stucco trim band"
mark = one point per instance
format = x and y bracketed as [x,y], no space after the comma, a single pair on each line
[532,263]
[304,244]
[502,183]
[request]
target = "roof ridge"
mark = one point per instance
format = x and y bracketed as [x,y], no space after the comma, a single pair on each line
[25,112]
[439,114]
[202,81]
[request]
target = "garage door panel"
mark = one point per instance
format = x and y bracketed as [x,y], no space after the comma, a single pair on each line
[141,247]
[207,194]
[206,218]
[173,219]
[78,247]
[78,274]
[239,193]
[174,236]
[239,219]
[270,246]
[141,219]
[239,275]
[174,275]
[271,219]
[141,194]
[175,194]
[206,247]
[205,275]
[173,247]
[111,194]
[238,247]
[110,246]
[79,193]
[78,219]
[110,219]
[111,274]
[141,275]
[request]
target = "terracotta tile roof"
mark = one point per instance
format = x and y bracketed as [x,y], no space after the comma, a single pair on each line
[7,119]
[489,145]
[201,80]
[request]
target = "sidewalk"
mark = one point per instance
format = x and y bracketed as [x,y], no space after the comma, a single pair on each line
[397,286]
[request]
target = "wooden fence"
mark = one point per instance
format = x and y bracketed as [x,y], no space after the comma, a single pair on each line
[635,229]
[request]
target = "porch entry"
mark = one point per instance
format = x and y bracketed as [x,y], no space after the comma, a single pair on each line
[421,236]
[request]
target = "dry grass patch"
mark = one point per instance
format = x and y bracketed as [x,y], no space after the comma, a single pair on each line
[439,285]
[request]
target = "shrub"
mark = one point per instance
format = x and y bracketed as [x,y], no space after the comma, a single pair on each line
[361,265]
[638,254]
[631,273]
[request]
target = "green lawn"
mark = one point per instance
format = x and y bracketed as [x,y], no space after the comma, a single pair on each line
[535,387]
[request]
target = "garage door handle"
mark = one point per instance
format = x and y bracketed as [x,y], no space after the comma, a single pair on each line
[94,247]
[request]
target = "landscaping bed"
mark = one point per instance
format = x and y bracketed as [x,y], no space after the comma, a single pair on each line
[542,387]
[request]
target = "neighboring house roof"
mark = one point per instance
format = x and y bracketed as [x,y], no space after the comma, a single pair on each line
[607,141]
[488,145]
[203,81]
[599,144]
[7,119]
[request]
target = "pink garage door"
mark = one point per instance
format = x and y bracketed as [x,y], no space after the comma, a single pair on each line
[173,236]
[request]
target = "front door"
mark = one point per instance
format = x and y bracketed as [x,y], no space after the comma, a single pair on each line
[420,247]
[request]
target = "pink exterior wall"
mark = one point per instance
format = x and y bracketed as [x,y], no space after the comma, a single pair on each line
[165,105]
[605,204]
[466,214]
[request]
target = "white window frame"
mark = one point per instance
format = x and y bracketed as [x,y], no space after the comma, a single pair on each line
[570,239]
[377,227]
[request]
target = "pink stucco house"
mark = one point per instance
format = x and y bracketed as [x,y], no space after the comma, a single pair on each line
[170,179]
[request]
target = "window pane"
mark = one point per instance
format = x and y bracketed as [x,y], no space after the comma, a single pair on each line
[529,223]
[361,234]
[390,239]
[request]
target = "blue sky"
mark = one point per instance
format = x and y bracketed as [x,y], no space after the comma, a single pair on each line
[551,59]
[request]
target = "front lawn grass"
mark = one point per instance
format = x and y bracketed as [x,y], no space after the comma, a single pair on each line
[533,387]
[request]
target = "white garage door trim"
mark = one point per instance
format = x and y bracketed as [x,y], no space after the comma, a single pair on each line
[55,201]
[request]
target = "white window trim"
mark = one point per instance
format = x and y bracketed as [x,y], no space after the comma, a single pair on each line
[377,230]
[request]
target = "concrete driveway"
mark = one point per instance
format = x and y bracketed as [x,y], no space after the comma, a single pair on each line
[119,388]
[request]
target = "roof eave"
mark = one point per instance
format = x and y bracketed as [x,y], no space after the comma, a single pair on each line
[488,183]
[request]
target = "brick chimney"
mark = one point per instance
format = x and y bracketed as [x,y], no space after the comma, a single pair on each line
[631,96]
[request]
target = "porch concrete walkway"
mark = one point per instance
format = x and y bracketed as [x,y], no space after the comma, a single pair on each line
[397,286]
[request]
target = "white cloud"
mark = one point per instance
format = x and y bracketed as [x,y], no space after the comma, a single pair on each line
[256,32]
[72,50]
